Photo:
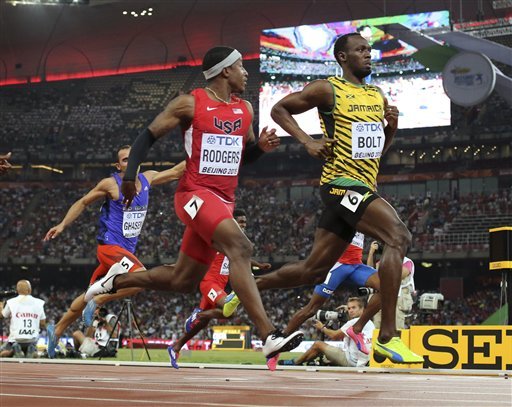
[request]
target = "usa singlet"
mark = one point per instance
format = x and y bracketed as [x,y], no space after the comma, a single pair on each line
[121,226]
[214,143]
[356,124]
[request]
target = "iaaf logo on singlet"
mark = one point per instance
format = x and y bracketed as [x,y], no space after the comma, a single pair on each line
[227,126]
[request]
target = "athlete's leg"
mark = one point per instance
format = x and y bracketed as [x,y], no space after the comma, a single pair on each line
[304,313]
[203,323]
[327,248]
[71,315]
[381,222]
[230,240]
[183,277]
[373,305]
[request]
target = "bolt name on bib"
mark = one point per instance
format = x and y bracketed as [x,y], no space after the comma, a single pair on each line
[367,140]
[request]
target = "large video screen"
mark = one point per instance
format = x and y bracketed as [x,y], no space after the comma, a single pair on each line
[291,57]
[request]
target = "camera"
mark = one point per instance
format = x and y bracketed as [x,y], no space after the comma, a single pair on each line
[8,294]
[325,316]
[364,291]
[431,301]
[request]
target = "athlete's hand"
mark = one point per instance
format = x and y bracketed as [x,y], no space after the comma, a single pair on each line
[4,164]
[268,140]
[391,115]
[54,232]
[321,148]
[264,266]
[374,246]
[129,190]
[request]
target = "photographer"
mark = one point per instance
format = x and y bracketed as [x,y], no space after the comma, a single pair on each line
[405,300]
[347,354]
[94,342]
[27,316]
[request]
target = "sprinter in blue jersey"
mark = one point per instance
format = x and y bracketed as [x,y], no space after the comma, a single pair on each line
[119,230]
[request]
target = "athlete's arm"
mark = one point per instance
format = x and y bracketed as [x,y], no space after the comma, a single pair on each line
[391,114]
[318,94]
[98,192]
[42,323]
[179,111]
[161,177]
[371,254]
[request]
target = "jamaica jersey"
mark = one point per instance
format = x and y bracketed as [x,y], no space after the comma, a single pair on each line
[356,124]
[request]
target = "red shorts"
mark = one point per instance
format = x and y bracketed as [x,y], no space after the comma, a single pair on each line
[108,254]
[211,292]
[201,211]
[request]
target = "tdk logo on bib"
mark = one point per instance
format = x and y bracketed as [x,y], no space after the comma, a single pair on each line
[367,140]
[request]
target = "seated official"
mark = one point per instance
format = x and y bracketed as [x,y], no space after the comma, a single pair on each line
[346,354]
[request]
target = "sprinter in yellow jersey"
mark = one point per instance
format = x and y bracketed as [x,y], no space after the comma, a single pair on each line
[353,117]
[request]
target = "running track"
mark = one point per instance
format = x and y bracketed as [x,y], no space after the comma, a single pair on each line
[82,384]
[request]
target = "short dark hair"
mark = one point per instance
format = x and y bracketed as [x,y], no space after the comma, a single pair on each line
[103,312]
[239,212]
[341,43]
[214,55]
[123,147]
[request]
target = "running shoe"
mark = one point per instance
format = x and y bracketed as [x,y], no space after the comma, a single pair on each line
[230,304]
[277,343]
[88,313]
[192,320]
[52,340]
[272,362]
[105,285]
[396,351]
[358,339]
[173,355]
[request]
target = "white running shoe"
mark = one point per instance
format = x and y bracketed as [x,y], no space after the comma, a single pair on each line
[105,285]
[276,343]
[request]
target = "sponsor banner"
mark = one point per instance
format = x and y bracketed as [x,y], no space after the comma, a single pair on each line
[468,78]
[463,347]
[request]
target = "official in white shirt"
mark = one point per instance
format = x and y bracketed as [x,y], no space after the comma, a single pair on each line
[27,317]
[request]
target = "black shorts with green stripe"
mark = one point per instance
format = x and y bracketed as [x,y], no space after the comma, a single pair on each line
[345,206]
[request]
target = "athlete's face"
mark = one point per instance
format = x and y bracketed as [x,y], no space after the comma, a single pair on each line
[357,57]
[242,222]
[354,310]
[122,159]
[237,78]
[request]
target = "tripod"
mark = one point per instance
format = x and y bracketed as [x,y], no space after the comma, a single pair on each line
[132,320]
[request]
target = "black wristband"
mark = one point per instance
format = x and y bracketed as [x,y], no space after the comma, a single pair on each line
[252,152]
[138,153]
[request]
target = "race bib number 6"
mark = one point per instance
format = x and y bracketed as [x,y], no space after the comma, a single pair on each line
[351,200]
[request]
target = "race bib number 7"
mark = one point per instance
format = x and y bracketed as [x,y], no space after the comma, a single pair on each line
[193,206]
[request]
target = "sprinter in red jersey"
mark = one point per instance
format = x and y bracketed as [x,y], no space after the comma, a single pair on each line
[218,138]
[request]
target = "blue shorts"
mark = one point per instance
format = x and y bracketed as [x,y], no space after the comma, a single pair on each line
[353,274]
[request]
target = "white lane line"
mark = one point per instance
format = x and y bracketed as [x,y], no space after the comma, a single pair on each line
[378,395]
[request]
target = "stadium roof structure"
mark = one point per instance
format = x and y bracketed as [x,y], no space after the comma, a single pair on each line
[62,37]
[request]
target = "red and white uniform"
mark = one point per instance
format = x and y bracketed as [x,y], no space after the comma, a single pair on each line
[354,252]
[214,282]
[214,143]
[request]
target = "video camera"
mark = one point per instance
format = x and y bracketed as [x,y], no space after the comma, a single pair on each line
[431,301]
[327,316]
[364,291]
[8,294]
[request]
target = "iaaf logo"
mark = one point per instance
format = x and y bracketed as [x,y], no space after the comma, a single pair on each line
[227,126]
